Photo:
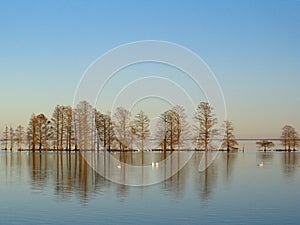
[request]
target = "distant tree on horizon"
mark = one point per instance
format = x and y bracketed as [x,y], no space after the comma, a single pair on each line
[289,138]
[205,122]
[265,144]
[229,142]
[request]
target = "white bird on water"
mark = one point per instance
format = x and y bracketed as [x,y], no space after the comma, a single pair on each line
[261,164]
[154,164]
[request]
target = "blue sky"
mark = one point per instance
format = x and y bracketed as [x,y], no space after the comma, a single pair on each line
[252,47]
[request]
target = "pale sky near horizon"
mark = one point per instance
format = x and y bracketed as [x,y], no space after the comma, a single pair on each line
[251,46]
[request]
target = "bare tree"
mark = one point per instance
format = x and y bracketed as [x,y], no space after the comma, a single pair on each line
[62,127]
[39,132]
[205,122]
[5,138]
[20,137]
[122,127]
[172,128]
[289,138]
[131,136]
[162,130]
[11,138]
[69,130]
[42,131]
[141,129]
[166,130]
[181,126]
[105,130]
[265,144]
[31,133]
[84,125]
[56,127]
[229,142]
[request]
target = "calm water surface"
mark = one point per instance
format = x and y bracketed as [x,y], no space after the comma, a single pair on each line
[60,188]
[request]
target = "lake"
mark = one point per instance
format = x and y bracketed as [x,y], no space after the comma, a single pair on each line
[61,188]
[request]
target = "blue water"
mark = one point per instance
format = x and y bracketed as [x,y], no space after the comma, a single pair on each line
[51,188]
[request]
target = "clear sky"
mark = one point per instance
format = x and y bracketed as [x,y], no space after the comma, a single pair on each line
[253,47]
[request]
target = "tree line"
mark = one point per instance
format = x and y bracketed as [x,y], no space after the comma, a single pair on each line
[86,128]
[289,140]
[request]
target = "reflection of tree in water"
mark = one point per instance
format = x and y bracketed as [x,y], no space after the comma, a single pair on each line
[69,172]
[10,159]
[228,159]
[265,157]
[289,162]
[175,184]
[207,179]
[38,165]
[70,175]
[178,182]
[122,191]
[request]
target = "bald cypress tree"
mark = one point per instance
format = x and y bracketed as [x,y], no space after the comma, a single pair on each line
[205,122]
[105,131]
[122,127]
[20,137]
[229,142]
[5,138]
[289,138]
[141,129]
